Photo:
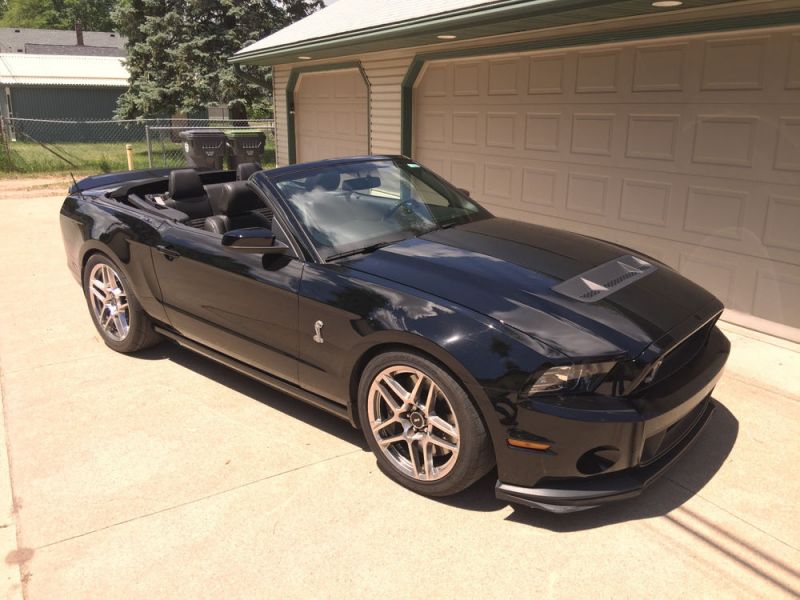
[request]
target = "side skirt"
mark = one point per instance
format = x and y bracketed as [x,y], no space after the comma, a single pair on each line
[273,382]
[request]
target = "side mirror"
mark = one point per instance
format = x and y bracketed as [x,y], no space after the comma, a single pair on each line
[465,192]
[253,240]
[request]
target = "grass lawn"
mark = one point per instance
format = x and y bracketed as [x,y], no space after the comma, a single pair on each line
[28,157]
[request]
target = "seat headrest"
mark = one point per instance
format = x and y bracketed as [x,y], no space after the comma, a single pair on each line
[327,180]
[238,199]
[185,184]
[245,170]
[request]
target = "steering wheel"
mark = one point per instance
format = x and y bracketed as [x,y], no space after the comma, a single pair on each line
[392,211]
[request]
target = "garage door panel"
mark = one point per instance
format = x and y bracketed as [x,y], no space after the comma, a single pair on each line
[652,135]
[777,295]
[659,68]
[714,212]
[331,115]
[734,63]
[546,74]
[717,274]
[787,154]
[598,71]
[793,63]
[645,202]
[782,223]
[718,140]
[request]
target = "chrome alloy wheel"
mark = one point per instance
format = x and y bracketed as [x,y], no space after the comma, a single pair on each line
[109,302]
[413,422]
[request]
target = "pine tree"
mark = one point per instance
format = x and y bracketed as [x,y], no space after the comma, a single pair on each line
[178,53]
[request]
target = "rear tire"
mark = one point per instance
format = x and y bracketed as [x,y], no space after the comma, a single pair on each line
[421,425]
[115,311]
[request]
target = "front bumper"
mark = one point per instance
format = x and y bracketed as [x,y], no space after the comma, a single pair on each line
[650,437]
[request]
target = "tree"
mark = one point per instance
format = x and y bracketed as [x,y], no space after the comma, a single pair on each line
[95,15]
[178,53]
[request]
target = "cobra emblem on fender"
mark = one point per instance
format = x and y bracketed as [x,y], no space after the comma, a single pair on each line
[318,332]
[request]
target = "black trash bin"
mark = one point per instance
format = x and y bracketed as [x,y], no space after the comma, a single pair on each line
[204,148]
[245,146]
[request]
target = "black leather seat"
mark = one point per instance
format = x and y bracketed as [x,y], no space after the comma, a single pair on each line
[245,170]
[187,194]
[241,207]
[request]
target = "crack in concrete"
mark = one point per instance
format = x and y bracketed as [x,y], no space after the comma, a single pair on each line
[22,566]
[196,500]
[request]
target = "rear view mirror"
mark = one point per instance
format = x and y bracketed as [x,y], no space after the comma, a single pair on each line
[253,240]
[361,183]
[465,192]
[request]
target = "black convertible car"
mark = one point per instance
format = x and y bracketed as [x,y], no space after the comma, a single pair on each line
[375,290]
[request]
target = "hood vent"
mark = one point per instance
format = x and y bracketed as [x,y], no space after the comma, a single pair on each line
[597,283]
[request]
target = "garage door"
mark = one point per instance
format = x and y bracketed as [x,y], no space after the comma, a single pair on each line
[686,149]
[330,115]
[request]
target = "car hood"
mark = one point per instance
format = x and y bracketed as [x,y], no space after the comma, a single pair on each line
[507,270]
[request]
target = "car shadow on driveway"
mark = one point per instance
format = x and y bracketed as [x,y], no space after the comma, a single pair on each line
[683,480]
[264,394]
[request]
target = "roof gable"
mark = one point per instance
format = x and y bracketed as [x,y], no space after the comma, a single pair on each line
[346,16]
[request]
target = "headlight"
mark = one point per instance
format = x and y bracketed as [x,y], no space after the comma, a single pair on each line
[570,378]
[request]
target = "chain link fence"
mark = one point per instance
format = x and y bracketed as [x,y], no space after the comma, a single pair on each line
[52,145]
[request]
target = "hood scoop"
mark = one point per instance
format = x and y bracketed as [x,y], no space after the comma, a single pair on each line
[597,283]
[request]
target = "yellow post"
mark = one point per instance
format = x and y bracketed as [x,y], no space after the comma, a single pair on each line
[129,152]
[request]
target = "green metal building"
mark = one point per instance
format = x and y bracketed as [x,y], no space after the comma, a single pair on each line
[43,87]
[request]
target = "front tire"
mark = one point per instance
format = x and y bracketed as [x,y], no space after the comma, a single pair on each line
[115,311]
[421,425]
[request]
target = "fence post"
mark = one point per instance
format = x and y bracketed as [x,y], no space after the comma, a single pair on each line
[5,133]
[149,149]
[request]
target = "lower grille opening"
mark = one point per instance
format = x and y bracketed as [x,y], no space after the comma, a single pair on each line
[660,443]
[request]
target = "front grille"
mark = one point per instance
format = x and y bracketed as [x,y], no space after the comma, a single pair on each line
[677,357]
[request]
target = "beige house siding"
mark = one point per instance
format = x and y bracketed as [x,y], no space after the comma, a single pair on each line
[385,74]
[280,77]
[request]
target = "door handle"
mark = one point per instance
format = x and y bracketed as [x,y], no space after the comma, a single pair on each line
[168,252]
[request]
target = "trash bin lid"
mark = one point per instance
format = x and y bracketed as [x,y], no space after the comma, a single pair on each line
[234,133]
[190,134]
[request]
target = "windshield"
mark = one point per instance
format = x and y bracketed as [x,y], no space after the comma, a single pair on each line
[352,207]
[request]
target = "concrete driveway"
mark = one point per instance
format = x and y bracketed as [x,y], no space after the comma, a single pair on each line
[164,475]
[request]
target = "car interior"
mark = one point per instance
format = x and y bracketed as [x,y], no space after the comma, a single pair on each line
[342,205]
[211,201]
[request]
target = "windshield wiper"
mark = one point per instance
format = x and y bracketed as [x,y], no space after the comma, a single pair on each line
[451,223]
[364,250]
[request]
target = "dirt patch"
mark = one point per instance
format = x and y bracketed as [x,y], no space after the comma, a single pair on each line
[34,187]
[19,556]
